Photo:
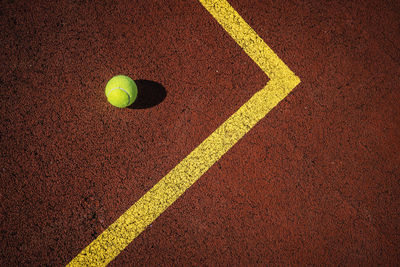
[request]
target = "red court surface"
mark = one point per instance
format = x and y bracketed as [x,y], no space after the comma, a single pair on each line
[316,182]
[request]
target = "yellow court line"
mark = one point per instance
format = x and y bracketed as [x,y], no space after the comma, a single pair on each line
[140,215]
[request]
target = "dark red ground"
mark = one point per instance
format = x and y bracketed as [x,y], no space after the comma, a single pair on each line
[315,182]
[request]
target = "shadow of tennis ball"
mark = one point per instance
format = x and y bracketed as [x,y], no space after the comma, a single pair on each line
[150,94]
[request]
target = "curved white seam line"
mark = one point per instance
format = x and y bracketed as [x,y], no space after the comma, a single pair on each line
[115,88]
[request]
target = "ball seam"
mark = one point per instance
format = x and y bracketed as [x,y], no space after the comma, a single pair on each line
[115,88]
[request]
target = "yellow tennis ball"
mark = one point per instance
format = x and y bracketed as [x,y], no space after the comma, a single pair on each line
[121,91]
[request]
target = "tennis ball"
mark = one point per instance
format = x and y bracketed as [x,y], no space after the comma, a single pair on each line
[121,91]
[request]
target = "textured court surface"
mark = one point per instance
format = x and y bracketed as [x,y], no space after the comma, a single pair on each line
[314,182]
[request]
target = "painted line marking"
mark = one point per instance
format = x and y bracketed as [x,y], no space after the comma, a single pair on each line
[140,215]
